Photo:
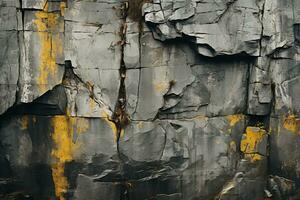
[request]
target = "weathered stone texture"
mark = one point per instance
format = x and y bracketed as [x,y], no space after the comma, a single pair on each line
[162,99]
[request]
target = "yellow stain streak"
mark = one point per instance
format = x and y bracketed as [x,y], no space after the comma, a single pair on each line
[111,124]
[92,105]
[24,122]
[62,8]
[62,136]
[234,119]
[250,142]
[292,123]
[48,27]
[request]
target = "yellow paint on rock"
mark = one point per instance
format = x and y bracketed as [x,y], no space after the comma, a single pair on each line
[62,8]
[92,104]
[250,142]
[292,123]
[112,125]
[234,119]
[62,136]
[48,26]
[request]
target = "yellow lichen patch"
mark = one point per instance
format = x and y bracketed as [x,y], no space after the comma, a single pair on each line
[62,136]
[161,86]
[234,119]
[292,123]
[140,125]
[251,141]
[92,105]
[24,122]
[48,26]
[80,125]
[62,8]
[111,124]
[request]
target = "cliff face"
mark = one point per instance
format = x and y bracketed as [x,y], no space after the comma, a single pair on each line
[162,99]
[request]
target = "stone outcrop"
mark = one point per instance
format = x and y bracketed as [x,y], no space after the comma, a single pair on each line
[149,99]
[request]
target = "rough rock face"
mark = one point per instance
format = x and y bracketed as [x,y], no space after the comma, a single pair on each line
[150,99]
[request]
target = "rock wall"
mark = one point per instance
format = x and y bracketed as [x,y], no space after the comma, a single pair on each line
[150,99]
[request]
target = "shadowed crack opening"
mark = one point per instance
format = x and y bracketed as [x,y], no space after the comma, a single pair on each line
[120,117]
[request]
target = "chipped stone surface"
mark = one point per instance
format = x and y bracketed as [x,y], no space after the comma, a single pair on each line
[226,27]
[162,99]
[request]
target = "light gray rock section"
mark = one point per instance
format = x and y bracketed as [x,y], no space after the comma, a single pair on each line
[89,24]
[34,4]
[92,44]
[285,74]
[10,3]
[132,54]
[165,70]
[223,28]
[31,61]
[9,68]
[9,54]
[278,21]
[260,91]
[82,102]
[30,48]
[220,88]
[105,88]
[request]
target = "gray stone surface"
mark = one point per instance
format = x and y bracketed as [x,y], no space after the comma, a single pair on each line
[217,28]
[140,100]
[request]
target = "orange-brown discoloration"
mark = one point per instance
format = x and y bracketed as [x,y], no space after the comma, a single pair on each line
[292,123]
[234,119]
[24,122]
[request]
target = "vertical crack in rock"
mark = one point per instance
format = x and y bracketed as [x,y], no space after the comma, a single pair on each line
[262,8]
[19,46]
[120,116]
[135,13]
